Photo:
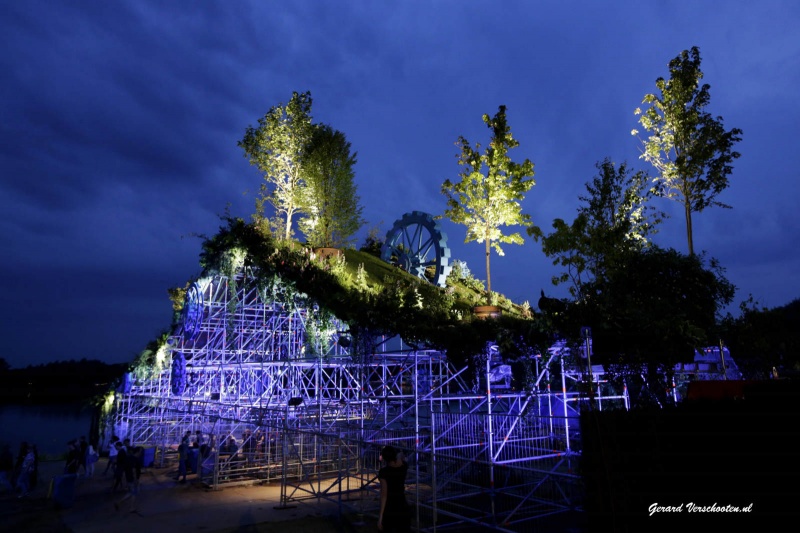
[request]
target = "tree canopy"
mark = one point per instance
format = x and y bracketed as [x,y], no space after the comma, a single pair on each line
[276,147]
[762,339]
[651,310]
[615,217]
[490,191]
[690,148]
[330,202]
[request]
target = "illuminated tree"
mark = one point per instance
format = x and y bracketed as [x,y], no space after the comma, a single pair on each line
[490,191]
[330,203]
[614,218]
[276,147]
[690,149]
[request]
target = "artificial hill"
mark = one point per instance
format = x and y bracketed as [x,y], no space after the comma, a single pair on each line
[375,298]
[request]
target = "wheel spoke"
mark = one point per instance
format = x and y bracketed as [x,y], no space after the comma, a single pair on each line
[417,244]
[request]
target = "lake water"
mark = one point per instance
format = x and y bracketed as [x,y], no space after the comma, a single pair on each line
[50,427]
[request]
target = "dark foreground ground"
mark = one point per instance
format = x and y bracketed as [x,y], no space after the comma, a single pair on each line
[164,505]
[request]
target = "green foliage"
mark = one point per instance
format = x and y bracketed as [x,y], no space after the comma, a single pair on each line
[395,303]
[361,278]
[651,309]
[458,272]
[690,148]
[338,267]
[613,219]
[151,360]
[761,339]
[319,328]
[177,295]
[490,191]
[277,147]
[373,243]
[330,203]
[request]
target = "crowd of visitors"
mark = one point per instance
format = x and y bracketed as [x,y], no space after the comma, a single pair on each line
[19,474]
[197,451]
[81,457]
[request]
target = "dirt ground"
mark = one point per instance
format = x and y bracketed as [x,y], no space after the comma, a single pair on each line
[165,505]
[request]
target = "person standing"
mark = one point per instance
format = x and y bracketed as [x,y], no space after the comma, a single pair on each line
[26,472]
[120,466]
[23,450]
[83,446]
[91,458]
[183,458]
[394,515]
[135,460]
[73,458]
[112,455]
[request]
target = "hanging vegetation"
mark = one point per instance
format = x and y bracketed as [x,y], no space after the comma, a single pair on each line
[375,298]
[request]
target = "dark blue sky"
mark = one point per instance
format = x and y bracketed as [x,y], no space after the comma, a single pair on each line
[120,123]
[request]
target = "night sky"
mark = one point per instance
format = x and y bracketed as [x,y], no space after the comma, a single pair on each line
[120,123]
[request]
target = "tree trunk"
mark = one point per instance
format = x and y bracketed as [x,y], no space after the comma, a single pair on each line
[287,230]
[689,228]
[488,272]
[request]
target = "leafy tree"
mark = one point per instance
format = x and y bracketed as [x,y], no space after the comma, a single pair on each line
[277,147]
[490,191]
[615,218]
[691,149]
[761,339]
[373,243]
[330,202]
[650,311]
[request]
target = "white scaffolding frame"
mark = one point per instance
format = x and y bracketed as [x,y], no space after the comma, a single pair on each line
[314,418]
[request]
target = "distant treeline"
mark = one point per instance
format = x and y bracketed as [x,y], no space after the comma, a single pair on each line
[61,381]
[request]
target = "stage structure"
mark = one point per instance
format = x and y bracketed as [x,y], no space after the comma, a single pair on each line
[280,392]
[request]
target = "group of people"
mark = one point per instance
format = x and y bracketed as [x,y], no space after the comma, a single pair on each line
[126,462]
[20,475]
[81,457]
[195,448]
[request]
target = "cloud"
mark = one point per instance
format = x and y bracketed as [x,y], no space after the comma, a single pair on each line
[120,121]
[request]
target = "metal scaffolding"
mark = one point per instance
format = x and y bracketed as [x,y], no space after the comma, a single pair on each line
[276,377]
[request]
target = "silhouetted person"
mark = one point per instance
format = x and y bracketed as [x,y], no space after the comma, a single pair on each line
[27,470]
[112,455]
[83,445]
[394,514]
[120,466]
[74,460]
